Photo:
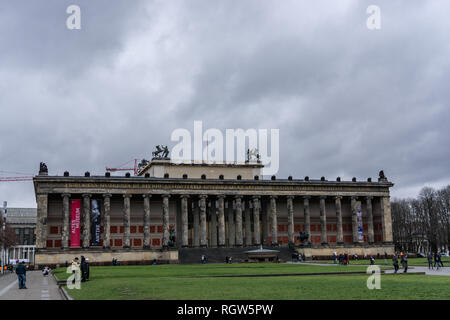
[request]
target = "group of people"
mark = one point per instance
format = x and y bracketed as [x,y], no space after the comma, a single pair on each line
[83,267]
[228,259]
[204,259]
[344,258]
[403,261]
[298,257]
[437,260]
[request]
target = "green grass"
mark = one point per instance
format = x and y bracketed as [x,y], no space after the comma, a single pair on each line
[182,282]
[419,262]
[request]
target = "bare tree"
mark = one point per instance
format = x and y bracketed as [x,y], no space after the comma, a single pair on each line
[422,224]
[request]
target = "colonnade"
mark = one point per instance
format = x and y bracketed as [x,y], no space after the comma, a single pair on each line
[234,216]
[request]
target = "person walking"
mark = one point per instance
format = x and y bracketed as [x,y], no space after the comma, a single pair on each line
[436,261]
[341,258]
[430,260]
[440,260]
[405,263]
[21,272]
[385,258]
[395,262]
[334,257]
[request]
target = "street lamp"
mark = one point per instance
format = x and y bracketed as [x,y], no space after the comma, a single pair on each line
[4,211]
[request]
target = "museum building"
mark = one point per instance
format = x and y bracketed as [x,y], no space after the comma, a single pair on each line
[170,207]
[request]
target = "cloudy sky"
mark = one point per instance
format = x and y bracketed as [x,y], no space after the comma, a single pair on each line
[348,101]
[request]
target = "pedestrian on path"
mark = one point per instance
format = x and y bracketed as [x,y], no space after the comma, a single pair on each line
[21,272]
[395,262]
[440,260]
[405,263]
[436,260]
[385,257]
[430,260]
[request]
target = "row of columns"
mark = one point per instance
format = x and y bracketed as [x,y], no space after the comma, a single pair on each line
[218,236]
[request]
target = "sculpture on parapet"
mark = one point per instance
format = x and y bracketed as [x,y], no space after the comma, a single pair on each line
[303,237]
[253,155]
[161,152]
[142,164]
[43,168]
[381,176]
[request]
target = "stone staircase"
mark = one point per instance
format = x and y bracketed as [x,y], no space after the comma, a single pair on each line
[218,255]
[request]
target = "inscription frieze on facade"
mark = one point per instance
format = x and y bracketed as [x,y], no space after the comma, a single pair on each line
[101,187]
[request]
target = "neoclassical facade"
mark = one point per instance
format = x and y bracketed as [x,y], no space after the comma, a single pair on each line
[207,205]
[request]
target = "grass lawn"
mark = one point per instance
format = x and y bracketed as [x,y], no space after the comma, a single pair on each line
[183,282]
[420,262]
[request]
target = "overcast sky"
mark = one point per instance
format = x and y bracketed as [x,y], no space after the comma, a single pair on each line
[348,101]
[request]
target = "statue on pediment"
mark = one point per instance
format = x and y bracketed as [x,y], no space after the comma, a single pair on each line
[161,152]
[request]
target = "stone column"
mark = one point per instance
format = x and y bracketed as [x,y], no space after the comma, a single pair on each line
[146,220]
[126,220]
[323,220]
[256,228]
[184,221]
[265,220]
[273,216]
[41,226]
[66,221]
[196,214]
[307,216]
[290,210]
[165,220]
[86,220]
[239,239]
[203,240]
[354,219]
[248,224]
[231,232]
[369,219]
[107,221]
[213,215]
[386,220]
[340,234]
[221,200]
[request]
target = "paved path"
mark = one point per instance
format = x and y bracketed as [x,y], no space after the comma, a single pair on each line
[411,269]
[39,287]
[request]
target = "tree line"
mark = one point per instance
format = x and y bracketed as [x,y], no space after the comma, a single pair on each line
[422,224]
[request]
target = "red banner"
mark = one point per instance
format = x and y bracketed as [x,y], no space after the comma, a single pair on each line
[75,224]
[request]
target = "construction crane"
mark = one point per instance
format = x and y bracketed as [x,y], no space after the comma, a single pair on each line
[18,178]
[135,169]
[9,179]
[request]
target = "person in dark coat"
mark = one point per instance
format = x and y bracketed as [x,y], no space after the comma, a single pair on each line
[430,260]
[83,269]
[395,262]
[21,272]
[87,269]
[440,260]
[436,260]
[405,263]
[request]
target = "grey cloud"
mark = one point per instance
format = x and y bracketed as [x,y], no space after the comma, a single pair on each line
[348,101]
